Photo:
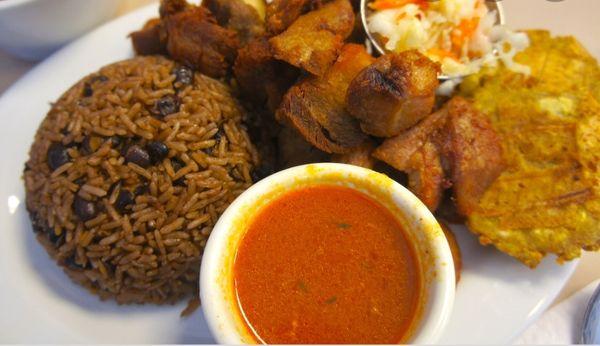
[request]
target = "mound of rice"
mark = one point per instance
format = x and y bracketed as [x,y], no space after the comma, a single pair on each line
[129,172]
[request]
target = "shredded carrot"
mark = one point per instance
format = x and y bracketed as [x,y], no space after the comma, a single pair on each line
[465,30]
[442,53]
[388,4]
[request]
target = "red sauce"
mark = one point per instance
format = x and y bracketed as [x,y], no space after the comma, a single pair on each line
[327,264]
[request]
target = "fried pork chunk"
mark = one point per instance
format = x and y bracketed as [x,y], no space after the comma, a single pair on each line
[455,146]
[316,105]
[361,156]
[282,13]
[474,151]
[151,39]
[314,40]
[238,16]
[195,39]
[394,93]
[262,79]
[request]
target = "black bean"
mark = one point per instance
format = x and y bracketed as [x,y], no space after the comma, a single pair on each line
[55,239]
[157,150]
[177,164]
[183,75]
[87,90]
[166,105]
[180,182]
[79,181]
[57,155]
[116,141]
[90,144]
[124,200]
[71,263]
[137,155]
[98,78]
[141,190]
[85,210]
[36,224]
[218,135]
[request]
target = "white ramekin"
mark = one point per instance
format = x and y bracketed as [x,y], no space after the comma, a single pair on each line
[216,275]
[32,29]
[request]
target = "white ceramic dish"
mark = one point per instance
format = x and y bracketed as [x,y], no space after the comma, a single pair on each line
[32,29]
[496,299]
[216,276]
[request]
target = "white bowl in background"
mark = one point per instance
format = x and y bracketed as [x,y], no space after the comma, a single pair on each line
[33,29]
[216,274]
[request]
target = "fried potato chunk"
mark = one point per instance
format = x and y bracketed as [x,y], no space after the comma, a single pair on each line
[316,105]
[314,40]
[238,16]
[195,39]
[394,93]
[547,200]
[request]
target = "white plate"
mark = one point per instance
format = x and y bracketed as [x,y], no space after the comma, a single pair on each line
[497,297]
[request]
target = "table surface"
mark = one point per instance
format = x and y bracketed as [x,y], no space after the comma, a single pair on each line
[572,18]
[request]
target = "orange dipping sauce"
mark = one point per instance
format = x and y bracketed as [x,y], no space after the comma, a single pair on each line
[327,264]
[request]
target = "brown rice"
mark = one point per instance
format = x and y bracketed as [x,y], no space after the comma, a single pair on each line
[145,249]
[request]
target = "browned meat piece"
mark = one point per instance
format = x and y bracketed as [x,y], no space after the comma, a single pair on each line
[261,78]
[397,151]
[151,39]
[394,93]
[315,106]
[170,7]
[282,13]
[455,146]
[475,154]
[295,150]
[314,40]
[195,39]
[237,16]
[360,156]
[426,176]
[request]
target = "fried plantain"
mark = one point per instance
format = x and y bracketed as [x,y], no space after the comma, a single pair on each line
[547,200]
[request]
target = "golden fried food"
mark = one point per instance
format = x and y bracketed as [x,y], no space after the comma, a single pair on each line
[473,151]
[316,105]
[151,39]
[262,79]
[282,13]
[314,40]
[547,200]
[195,39]
[238,16]
[361,156]
[394,93]
[454,146]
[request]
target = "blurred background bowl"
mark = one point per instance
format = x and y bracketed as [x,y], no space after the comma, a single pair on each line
[33,29]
